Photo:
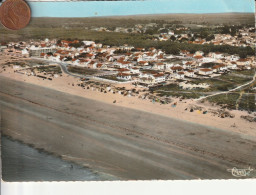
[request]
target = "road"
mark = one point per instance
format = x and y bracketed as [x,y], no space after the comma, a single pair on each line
[126,143]
[231,90]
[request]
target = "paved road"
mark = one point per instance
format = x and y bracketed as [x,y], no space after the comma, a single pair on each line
[126,143]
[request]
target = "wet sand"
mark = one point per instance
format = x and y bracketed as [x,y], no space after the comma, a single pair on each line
[24,163]
[124,142]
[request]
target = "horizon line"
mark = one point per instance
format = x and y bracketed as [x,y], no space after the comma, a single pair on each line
[145,15]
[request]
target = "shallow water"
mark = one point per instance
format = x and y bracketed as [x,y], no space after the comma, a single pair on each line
[23,163]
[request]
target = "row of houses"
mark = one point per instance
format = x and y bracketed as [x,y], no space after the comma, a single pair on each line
[146,66]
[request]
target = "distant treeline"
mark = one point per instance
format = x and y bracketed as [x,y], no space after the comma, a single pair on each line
[171,47]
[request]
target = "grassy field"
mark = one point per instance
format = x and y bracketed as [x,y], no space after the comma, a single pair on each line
[218,84]
[224,82]
[187,95]
[112,77]
[221,83]
[82,71]
[243,99]
[49,69]
[235,101]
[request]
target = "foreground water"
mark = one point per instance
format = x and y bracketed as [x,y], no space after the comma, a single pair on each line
[23,163]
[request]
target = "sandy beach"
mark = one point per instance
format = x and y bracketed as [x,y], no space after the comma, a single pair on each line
[122,142]
[68,84]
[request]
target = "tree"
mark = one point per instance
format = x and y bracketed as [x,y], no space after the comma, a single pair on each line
[129,30]
[164,30]
[210,37]
[242,55]
[58,42]
[225,30]
[173,38]
[76,45]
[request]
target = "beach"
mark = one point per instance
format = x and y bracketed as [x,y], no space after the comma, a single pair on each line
[123,142]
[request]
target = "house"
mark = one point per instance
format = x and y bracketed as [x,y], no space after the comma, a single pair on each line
[187,65]
[123,64]
[176,68]
[234,58]
[159,78]
[135,70]
[216,55]
[190,73]
[232,65]
[205,71]
[179,75]
[168,66]
[124,76]
[143,63]
[151,77]
[123,70]
[243,62]
[92,65]
[159,66]
[199,53]
[25,53]
[219,67]
[199,58]
[184,53]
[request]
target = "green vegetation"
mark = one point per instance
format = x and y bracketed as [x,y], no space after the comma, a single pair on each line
[49,69]
[245,72]
[112,77]
[243,99]
[77,28]
[222,83]
[233,101]
[225,100]
[82,71]
[187,95]
[247,102]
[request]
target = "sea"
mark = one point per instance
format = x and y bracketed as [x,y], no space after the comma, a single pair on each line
[21,162]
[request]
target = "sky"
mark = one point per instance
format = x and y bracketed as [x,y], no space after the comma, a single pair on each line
[116,8]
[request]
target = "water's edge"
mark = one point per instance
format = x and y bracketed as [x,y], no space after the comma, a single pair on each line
[24,162]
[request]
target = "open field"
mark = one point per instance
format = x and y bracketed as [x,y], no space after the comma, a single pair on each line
[243,99]
[82,71]
[49,69]
[216,84]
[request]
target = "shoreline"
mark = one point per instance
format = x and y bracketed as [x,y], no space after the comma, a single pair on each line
[101,176]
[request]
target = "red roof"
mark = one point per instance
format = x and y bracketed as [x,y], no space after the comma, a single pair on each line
[123,70]
[177,68]
[205,69]
[158,75]
[198,57]
[123,74]
[160,64]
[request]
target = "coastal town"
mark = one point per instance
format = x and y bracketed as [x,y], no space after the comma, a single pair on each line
[143,66]
[145,73]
